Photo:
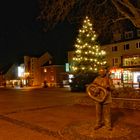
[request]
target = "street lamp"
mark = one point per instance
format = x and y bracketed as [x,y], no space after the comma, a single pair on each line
[45,79]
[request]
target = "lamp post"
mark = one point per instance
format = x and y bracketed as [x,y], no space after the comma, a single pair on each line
[45,79]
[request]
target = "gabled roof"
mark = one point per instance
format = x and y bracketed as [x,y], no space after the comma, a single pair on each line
[48,63]
[46,57]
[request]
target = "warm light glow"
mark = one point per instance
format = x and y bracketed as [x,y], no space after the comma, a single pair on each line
[21,71]
[26,74]
[88,53]
[45,70]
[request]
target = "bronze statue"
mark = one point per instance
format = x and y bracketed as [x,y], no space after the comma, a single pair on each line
[100,90]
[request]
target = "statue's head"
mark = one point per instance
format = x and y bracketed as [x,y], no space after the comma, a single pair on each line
[102,72]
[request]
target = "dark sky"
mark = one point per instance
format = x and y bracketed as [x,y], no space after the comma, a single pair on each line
[21,34]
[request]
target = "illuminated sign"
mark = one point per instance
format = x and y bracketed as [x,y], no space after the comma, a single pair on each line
[67,67]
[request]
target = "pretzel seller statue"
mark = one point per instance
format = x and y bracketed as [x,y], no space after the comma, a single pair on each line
[100,91]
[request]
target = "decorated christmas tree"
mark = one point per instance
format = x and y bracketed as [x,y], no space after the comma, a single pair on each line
[88,56]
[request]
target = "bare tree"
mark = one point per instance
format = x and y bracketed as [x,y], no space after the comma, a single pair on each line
[129,9]
[107,15]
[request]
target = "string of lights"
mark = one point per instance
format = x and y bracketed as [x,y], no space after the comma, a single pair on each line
[88,56]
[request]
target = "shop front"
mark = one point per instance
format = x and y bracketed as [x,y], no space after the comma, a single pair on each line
[116,75]
[125,77]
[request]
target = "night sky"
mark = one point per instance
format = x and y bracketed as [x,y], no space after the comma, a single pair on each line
[21,33]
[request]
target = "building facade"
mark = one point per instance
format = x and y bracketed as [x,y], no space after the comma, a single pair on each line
[33,68]
[123,58]
[124,61]
[35,71]
[53,75]
[13,76]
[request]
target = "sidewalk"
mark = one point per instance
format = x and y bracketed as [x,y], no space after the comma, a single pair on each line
[71,122]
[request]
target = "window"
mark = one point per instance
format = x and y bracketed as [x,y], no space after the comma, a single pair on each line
[115,61]
[138,33]
[127,76]
[126,47]
[45,70]
[132,61]
[126,62]
[114,48]
[52,78]
[117,36]
[128,35]
[138,45]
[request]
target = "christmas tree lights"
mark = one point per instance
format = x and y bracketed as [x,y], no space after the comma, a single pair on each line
[88,56]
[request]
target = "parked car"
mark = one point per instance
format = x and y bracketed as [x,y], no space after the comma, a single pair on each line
[79,82]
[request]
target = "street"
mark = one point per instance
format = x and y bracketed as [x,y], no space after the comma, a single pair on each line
[54,114]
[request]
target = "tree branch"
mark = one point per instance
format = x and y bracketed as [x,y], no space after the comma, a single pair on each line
[102,3]
[119,19]
[128,10]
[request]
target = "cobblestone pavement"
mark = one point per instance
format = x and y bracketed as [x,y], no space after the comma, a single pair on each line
[49,114]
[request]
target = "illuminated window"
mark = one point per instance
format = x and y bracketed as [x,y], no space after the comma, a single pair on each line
[126,62]
[52,78]
[45,70]
[132,61]
[127,77]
